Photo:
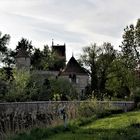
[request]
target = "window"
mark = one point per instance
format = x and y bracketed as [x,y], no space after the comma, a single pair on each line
[72,78]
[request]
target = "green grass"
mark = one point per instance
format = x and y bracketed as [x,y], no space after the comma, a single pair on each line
[124,126]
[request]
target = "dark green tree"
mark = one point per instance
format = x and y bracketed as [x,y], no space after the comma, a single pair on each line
[104,62]
[25,44]
[128,47]
[131,45]
[4,40]
[36,59]
[89,59]
[98,59]
[137,39]
[41,59]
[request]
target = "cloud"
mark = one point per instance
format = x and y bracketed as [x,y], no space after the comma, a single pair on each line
[75,22]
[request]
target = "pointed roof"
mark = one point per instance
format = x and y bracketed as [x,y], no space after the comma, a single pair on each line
[74,67]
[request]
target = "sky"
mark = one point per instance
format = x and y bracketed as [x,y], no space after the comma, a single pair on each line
[78,23]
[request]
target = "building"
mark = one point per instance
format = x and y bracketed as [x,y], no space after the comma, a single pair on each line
[72,71]
[23,59]
[76,75]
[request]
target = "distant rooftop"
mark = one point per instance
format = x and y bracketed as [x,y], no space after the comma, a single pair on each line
[74,67]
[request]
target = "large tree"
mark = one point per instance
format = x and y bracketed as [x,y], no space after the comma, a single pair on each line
[98,59]
[131,45]
[41,59]
[46,60]
[4,40]
[106,57]
[89,59]
[121,80]
[25,44]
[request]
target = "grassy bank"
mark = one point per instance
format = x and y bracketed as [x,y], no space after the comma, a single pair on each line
[121,127]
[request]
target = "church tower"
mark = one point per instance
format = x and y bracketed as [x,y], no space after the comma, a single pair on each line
[60,52]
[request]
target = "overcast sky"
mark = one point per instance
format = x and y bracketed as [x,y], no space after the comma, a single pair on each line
[74,22]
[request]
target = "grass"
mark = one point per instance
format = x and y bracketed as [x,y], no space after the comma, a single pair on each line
[124,126]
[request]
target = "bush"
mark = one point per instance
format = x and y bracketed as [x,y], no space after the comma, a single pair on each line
[136,96]
[95,108]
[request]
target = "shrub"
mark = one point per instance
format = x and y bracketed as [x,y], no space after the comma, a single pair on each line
[136,96]
[100,109]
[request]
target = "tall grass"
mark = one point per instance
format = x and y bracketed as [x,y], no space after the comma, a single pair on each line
[124,126]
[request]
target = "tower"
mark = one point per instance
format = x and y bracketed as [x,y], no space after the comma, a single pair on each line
[60,52]
[23,59]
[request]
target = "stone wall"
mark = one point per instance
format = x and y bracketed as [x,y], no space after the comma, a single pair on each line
[23,115]
[81,82]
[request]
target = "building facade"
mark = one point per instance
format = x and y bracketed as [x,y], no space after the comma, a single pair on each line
[72,71]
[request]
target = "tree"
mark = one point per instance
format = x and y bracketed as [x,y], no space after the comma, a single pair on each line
[56,63]
[89,58]
[137,39]
[104,62]
[8,58]
[41,59]
[36,59]
[121,80]
[128,47]
[131,45]
[25,44]
[130,55]
[61,92]
[4,40]
[98,59]
[17,87]
[46,60]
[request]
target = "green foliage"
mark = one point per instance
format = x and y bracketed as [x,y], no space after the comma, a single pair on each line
[89,58]
[131,45]
[4,41]
[40,133]
[56,62]
[46,60]
[3,89]
[41,60]
[17,87]
[61,92]
[97,109]
[25,44]
[122,126]
[121,80]
[27,86]
[136,96]
[99,60]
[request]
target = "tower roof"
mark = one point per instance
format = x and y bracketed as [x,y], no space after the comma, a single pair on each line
[74,67]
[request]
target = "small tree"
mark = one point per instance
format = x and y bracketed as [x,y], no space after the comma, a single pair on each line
[17,89]
[61,92]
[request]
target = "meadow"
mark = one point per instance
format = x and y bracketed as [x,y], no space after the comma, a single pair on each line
[124,126]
